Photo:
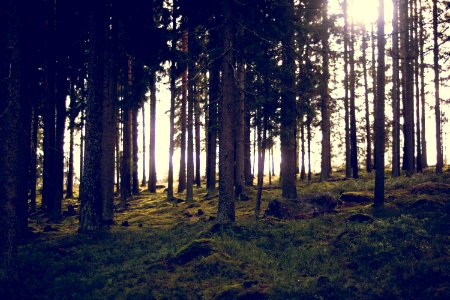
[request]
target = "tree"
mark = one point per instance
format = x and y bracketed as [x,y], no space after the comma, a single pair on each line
[184,81]
[379,113]
[325,125]
[439,155]
[346,97]
[226,207]
[152,145]
[422,85]
[366,103]
[419,166]
[91,186]
[395,93]
[353,138]
[288,108]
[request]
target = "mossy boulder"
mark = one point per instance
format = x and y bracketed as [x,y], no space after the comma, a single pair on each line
[306,206]
[360,218]
[193,250]
[356,197]
[431,188]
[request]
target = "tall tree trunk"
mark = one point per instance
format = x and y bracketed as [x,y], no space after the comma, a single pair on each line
[288,112]
[198,150]
[247,149]
[374,82]
[61,94]
[173,88]
[240,127]
[422,85]
[82,138]
[419,166]
[184,82]
[152,147]
[135,150]
[33,158]
[407,82]
[379,113]
[226,207]
[439,155]
[308,128]
[325,125]
[118,152]
[144,148]
[125,168]
[190,130]
[262,142]
[109,128]
[302,141]
[348,166]
[214,90]
[353,137]
[91,186]
[366,103]
[69,186]
[395,93]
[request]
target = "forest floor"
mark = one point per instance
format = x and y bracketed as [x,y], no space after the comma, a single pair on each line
[157,251]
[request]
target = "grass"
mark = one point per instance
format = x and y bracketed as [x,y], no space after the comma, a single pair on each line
[402,254]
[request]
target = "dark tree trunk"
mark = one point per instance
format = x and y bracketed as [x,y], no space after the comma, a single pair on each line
[302,142]
[125,166]
[379,113]
[366,102]
[144,148]
[69,187]
[172,105]
[91,185]
[422,86]
[55,211]
[353,138]
[308,128]
[190,132]
[33,158]
[152,147]
[118,152]
[288,110]
[214,95]
[325,125]
[395,93]
[135,149]
[184,79]
[226,207]
[82,138]
[262,141]
[109,129]
[247,149]
[374,82]
[348,166]
[198,150]
[439,155]
[419,166]
[407,83]
[240,132]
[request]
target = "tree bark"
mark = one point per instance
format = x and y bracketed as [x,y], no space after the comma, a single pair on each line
[288,112]
[134,148]
[439,155]
[348,166]
[353,137]
[419,166]
[422,85]
[379,113]
[190,131]
[144,148]
[395,93]
[366,102]
[226,207]
[184,79]
[240,132]
[152,147]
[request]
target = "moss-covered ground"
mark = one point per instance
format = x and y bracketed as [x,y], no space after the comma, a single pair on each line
[166,252]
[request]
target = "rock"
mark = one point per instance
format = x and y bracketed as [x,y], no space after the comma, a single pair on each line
[48,228]
[431,188]
[195,249]
[160,186]
[125,223]
[360,218]
[307,206]
[356,197]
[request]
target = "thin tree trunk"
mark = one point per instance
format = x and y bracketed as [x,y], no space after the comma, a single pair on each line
[353,137]
[379,113]
[366,102]
[144,148]
[439,155]
[184,79]
[419,166]
[61,94]
[247,149]
[325,125]
[240,127]
[135,150]
[395,93]
[190,131]
[125,168]
[262,141]
[198,150]
[348,166]
[33,159]
[374,82]
[173,87]
[152,146]
[302,139]
[309,149]
[422,86]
